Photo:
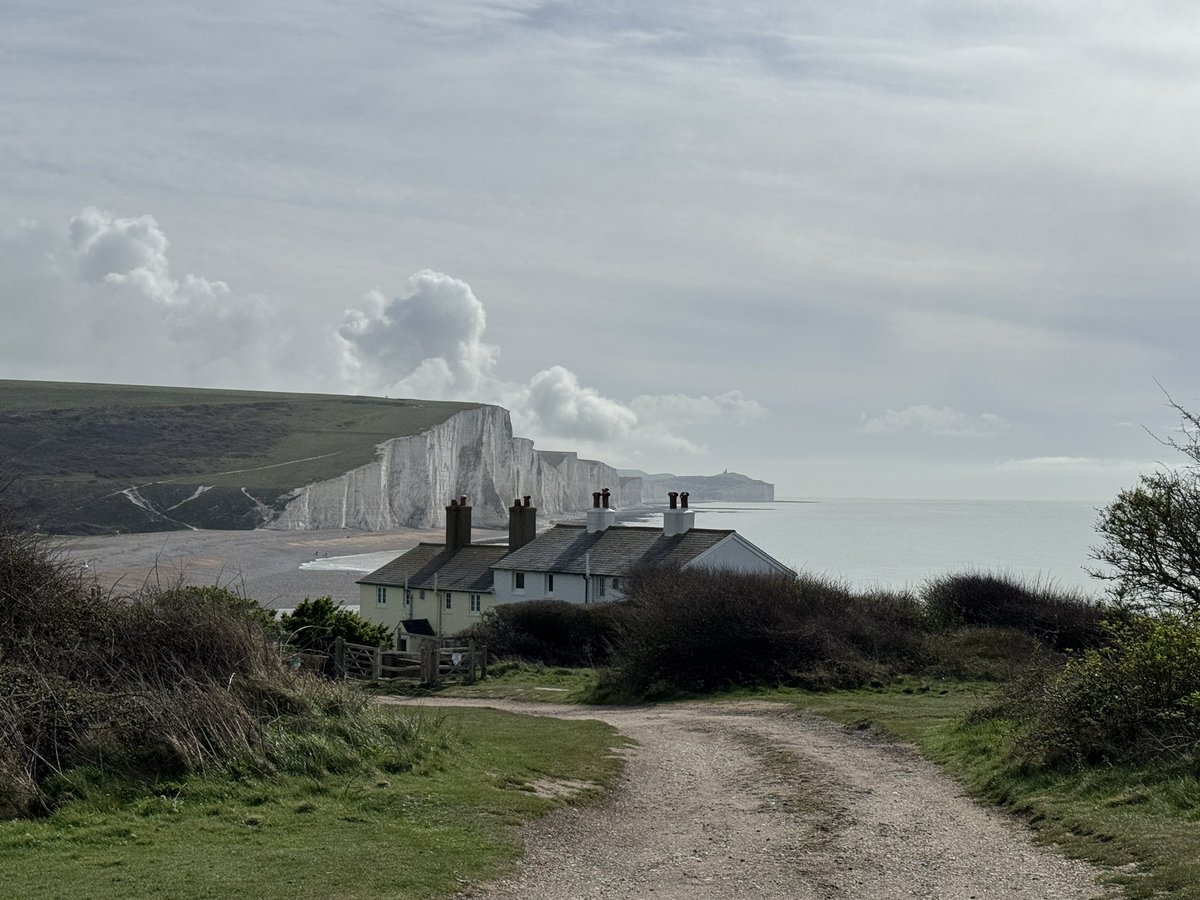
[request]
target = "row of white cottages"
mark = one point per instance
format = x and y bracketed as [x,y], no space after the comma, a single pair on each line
[442,589]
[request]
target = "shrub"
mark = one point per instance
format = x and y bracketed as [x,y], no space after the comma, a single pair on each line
[700,631]
[552,632]
[314,624]
[1061,619]
[146,686]
[1137,699]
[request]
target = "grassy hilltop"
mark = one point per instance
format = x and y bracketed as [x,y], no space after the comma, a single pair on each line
[70,450]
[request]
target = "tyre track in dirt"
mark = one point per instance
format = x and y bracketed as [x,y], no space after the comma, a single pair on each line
[755,800]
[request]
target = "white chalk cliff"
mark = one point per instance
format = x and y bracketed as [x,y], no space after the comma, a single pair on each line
[472,454]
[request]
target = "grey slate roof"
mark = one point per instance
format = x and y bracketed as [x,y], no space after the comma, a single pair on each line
[467,570]
[614,551]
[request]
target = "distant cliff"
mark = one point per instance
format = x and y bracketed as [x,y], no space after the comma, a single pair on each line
[728,486]
[472,453]
[96,459]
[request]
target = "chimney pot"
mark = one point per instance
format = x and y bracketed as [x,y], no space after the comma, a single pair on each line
[462,501]
[674,497]
[527,499]
[604,498]
[683,499]
[595,499]
[453,502]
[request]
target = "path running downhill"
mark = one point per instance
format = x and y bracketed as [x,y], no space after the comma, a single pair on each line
[755,800]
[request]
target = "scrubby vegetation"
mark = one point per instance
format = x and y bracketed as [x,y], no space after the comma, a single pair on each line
[550,632]
[156,685]
[316,624]
[696,632]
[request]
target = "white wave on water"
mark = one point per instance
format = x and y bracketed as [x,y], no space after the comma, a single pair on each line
[358,562]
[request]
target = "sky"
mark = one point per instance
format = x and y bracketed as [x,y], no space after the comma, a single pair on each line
[880,249]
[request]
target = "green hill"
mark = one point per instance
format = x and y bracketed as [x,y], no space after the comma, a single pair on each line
[74,456]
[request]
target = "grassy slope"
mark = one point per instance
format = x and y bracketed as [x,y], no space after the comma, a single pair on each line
[421,834]
[70,445]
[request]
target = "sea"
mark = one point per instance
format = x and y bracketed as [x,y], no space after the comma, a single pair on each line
[894,544]
[901,544]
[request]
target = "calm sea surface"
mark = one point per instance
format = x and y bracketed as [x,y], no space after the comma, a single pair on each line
[900,543]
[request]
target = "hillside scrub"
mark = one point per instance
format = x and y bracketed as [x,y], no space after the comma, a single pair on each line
[316,624]
[695,632]
[550,632]
[1062,619]
[1135,700]
[156,684]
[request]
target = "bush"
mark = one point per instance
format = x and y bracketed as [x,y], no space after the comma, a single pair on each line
[690,632]
[146,686]
[1061,619]
[552,632]
[1135,700]
[315,624]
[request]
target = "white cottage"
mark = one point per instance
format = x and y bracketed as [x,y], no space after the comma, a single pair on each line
[587,563]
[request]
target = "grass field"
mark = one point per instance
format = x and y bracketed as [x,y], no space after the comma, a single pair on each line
[68,447]
[423,834]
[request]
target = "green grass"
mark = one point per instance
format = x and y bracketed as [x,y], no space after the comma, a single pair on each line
[1144,826]
[71,445]
[527,682]
[426,833]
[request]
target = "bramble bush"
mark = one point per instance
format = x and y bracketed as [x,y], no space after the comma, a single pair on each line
[1134,700]
[551,632]
[1061,619]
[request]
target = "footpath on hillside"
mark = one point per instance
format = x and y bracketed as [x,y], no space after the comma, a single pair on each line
[750,799]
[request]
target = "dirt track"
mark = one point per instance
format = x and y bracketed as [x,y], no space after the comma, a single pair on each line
[749,799]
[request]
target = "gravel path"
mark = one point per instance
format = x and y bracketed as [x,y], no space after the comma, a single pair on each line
[751,799]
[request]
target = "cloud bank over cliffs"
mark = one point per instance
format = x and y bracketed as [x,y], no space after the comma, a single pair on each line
[106,293]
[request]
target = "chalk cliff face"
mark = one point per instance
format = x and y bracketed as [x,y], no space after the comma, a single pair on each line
[473,453]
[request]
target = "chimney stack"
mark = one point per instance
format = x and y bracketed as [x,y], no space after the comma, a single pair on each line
[522,524]
[458,524]
[678,519]
[601,515]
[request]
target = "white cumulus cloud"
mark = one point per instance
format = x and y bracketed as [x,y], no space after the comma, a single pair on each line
[105,290]
[428,341]
[943,422]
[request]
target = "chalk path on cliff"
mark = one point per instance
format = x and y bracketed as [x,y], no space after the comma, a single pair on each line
[752,799]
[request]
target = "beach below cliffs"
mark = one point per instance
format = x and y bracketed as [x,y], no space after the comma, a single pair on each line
[276,568]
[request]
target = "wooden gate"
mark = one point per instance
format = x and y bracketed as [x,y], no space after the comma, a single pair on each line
[434,661]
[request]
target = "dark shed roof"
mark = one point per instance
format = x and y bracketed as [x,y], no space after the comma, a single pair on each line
[469,569]
[418,627]
[613,551]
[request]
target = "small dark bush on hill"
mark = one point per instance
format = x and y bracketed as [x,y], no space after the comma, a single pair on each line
[1061,619]
[688,632]
[551,632]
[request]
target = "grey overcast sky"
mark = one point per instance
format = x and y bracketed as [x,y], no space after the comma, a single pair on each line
[897,249]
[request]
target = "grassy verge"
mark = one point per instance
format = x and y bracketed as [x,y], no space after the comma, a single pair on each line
[423,833]
[527,682]
[1144,826]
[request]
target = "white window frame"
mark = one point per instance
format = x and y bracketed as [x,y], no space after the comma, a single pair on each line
[449,600]
[549,582]
[518,582]
[380,595]
[600,586]
[476,603]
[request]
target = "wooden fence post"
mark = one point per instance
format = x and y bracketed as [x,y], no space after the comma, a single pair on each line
[471,662]
[483,662]
[339,657]
[377,663]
